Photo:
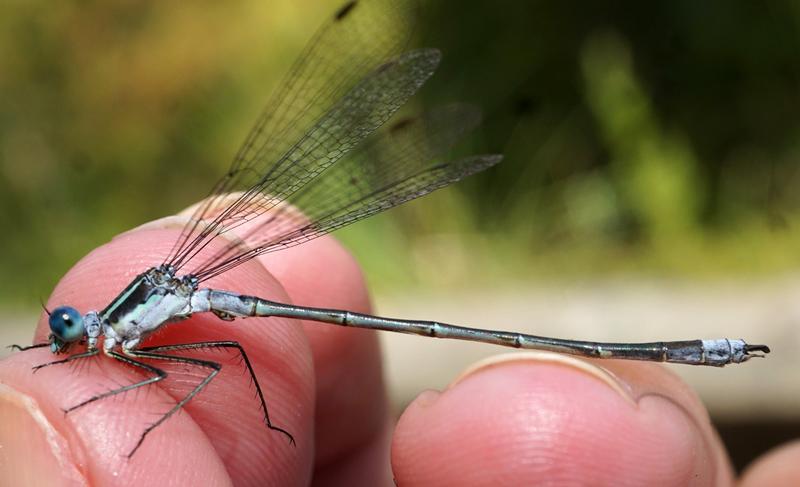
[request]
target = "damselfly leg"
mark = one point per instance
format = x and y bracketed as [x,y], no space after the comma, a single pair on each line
[245,359]
[71,358]
[157,374]
[22,348]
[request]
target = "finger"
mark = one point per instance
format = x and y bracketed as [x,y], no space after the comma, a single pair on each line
[225,417]
[780,466]
[351,412]
[43,446]
[541,418]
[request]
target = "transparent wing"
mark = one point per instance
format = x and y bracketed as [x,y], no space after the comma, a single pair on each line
[360,36]
[351,44]
[359,113]
[401,162]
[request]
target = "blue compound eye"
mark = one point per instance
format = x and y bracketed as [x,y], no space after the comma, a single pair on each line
[66,323]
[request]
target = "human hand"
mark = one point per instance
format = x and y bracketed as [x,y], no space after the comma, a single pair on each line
[536,418]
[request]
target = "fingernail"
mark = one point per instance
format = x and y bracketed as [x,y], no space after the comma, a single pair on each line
[427,398]
[537,357]
[172,221]
[220,201]
[180,219]
[32,451]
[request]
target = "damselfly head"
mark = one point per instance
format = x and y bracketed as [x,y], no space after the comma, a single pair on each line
[66,327]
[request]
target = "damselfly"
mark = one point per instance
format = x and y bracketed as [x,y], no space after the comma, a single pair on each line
[314,162]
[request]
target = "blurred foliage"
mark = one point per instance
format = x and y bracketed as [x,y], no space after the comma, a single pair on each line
[639,136]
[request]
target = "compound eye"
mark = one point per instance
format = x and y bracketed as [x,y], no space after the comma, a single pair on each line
[66,323]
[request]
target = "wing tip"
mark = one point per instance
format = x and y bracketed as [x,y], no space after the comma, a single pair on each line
[344,10]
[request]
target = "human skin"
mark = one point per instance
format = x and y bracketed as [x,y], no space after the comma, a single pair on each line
[525,419]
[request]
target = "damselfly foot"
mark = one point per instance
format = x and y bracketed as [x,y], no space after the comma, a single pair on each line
[22,348]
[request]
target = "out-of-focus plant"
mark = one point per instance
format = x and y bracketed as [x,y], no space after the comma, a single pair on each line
[638,136]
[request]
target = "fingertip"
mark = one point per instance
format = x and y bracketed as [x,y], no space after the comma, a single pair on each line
[32,444]
[92,443]
[321,271]
[780,466]
[542,419]
[351,401]
[277,349]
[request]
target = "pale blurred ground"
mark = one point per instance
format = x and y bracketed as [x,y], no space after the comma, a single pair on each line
[760,312]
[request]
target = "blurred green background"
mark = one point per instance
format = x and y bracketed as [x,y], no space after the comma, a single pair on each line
[642,139]
[639,137]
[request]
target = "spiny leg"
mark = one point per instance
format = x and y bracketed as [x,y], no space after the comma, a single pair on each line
[150,354]
[77,356]
[71,358]
[79,365]
[158,375]
[237,346]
